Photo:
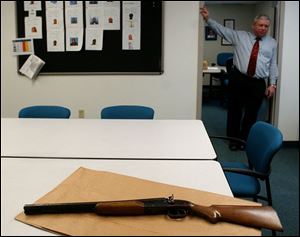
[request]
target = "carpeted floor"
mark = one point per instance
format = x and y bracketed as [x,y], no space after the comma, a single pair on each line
[285,169]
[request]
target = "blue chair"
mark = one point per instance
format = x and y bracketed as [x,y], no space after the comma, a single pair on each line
[222,58]
[127,112]
[45,111]
[263,142]
[226,60]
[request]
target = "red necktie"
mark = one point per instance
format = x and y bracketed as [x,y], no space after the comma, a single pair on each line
[253,58]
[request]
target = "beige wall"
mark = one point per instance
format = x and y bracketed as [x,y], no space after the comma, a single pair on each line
[173,94]
[287,101]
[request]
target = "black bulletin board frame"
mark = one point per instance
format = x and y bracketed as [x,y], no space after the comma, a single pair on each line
[112,59]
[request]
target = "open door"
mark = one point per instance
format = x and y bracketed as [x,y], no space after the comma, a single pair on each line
[243,13]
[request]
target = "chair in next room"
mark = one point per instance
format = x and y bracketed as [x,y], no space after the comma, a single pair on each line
[224,59]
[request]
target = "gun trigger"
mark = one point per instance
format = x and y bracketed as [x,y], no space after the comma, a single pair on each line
[177,213]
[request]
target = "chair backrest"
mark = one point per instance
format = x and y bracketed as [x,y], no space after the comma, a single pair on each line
[263,141]
[222,57]
[127,112]
[44,111]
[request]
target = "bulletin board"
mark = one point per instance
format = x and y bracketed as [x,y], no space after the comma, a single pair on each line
[111,59]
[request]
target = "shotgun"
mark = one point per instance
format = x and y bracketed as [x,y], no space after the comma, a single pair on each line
[252,216]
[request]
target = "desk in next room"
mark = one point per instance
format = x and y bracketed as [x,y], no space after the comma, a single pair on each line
[106,139]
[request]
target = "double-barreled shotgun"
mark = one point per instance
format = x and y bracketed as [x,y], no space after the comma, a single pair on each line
[252,216]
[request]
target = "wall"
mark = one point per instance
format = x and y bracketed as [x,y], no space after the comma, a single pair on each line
[173,95]
[287,101]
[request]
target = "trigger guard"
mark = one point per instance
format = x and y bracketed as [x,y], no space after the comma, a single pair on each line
[177,213]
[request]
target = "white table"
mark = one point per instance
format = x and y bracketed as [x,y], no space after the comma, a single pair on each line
[107,139]
[214,69]
[26,180]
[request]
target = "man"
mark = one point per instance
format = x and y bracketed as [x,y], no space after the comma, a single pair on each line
[254,62]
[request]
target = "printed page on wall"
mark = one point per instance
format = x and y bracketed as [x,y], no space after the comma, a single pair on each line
[55,26]
[74,25]
[131,25]
[94,25]
[32,22]
[32,66]
[111,15]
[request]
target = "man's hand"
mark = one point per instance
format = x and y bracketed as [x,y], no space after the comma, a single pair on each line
[204,12]
[270,91]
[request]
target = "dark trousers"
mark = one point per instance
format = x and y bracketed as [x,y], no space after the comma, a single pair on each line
[245,98]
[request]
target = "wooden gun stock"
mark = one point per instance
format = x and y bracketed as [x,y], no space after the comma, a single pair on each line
[252,216]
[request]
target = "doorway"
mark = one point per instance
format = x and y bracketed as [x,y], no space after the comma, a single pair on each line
[240,15]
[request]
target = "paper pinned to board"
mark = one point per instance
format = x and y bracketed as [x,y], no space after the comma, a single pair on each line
[32,66]
[23,46]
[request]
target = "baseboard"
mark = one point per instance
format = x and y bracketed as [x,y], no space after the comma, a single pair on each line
[290,144]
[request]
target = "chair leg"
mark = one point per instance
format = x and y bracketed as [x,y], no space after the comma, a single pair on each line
[269,195]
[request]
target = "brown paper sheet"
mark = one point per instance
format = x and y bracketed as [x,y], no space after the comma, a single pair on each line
[89,185]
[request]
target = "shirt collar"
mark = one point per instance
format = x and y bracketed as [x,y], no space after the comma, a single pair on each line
[253,37]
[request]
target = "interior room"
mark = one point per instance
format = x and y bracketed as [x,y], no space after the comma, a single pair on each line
[105,101]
